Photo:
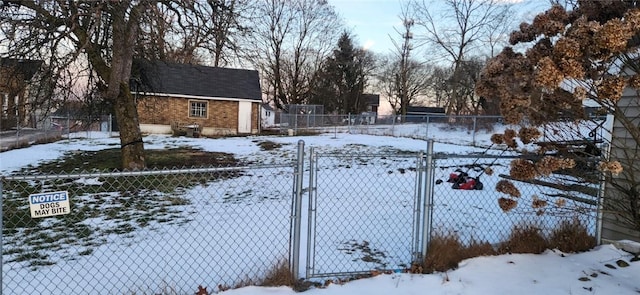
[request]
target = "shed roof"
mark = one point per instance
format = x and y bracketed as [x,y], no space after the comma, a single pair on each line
[26,67]
[424,110]
[371,99]
[195,80]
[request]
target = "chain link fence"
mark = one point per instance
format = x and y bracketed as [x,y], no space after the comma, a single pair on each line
[475,214]
[152,232]
[427,126]
[340,214]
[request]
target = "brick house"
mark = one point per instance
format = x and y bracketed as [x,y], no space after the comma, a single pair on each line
[18,108]
[212,101]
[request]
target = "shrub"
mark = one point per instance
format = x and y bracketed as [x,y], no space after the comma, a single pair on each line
[524,239]
[477,248]
[279,275]
[571,236]
[445,252]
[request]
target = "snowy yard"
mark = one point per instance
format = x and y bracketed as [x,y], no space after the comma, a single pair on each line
[227,230]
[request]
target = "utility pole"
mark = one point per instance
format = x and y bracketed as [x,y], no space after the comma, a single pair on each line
[405,52]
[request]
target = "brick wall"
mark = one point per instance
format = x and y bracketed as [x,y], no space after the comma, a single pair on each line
[222,116]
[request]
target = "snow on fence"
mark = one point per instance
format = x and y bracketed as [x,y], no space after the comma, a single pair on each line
[325,215]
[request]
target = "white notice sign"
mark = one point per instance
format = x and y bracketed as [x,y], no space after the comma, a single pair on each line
[49,204]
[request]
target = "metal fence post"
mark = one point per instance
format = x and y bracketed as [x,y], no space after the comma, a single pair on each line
[428,201]
[427,131]
[110,128]
[475,128]
[601,192]
[297,214]
[417,234]
[310,215]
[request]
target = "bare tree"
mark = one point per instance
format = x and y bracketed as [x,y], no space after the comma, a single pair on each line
[292,39]
[459,31]
[209,32]
[417,87]
[98,36]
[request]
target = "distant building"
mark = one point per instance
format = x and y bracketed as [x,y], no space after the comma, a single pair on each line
[419,110]
[425,114]
[371,102]
[207,100]
[268,115]
[370,114]
[15,83]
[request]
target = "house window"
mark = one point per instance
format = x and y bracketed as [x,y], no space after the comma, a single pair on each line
[5,104]
[198,109]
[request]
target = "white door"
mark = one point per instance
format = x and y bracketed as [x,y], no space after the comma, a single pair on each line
[244,117]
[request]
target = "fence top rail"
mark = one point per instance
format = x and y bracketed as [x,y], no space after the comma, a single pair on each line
[375,155]
[144,173]
[475,156]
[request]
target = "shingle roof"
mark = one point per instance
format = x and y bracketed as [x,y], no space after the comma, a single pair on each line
[267,107]
[26,67]
[424,110]
[195,80]
[371,99]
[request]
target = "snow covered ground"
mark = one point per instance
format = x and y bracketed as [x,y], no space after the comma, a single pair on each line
[594,272]
[157,247]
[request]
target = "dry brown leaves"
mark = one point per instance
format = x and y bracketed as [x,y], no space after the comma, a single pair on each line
[507,187]
[507,204]
[614,167]
[522,169]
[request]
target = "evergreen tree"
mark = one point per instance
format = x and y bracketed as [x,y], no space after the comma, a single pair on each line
[341,82]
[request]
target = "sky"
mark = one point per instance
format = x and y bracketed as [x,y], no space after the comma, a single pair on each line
[125,261]
[373,21]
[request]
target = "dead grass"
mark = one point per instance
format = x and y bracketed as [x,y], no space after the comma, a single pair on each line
[477,248]
[279,275]
[524,239]
[446,251]
[571,236]
[268,145]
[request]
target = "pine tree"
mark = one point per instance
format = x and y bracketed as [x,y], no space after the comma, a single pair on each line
[340,84]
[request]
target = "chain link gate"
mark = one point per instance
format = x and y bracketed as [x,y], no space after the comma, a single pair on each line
[378,212]
[365,212]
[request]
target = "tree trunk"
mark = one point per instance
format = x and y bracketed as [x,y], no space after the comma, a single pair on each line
[132,147]
[124,36]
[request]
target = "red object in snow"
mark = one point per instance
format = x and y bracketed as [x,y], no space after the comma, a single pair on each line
[457,177]
[453,177]
[468,185]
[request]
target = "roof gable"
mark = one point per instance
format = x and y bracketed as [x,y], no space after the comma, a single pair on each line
[195,80]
